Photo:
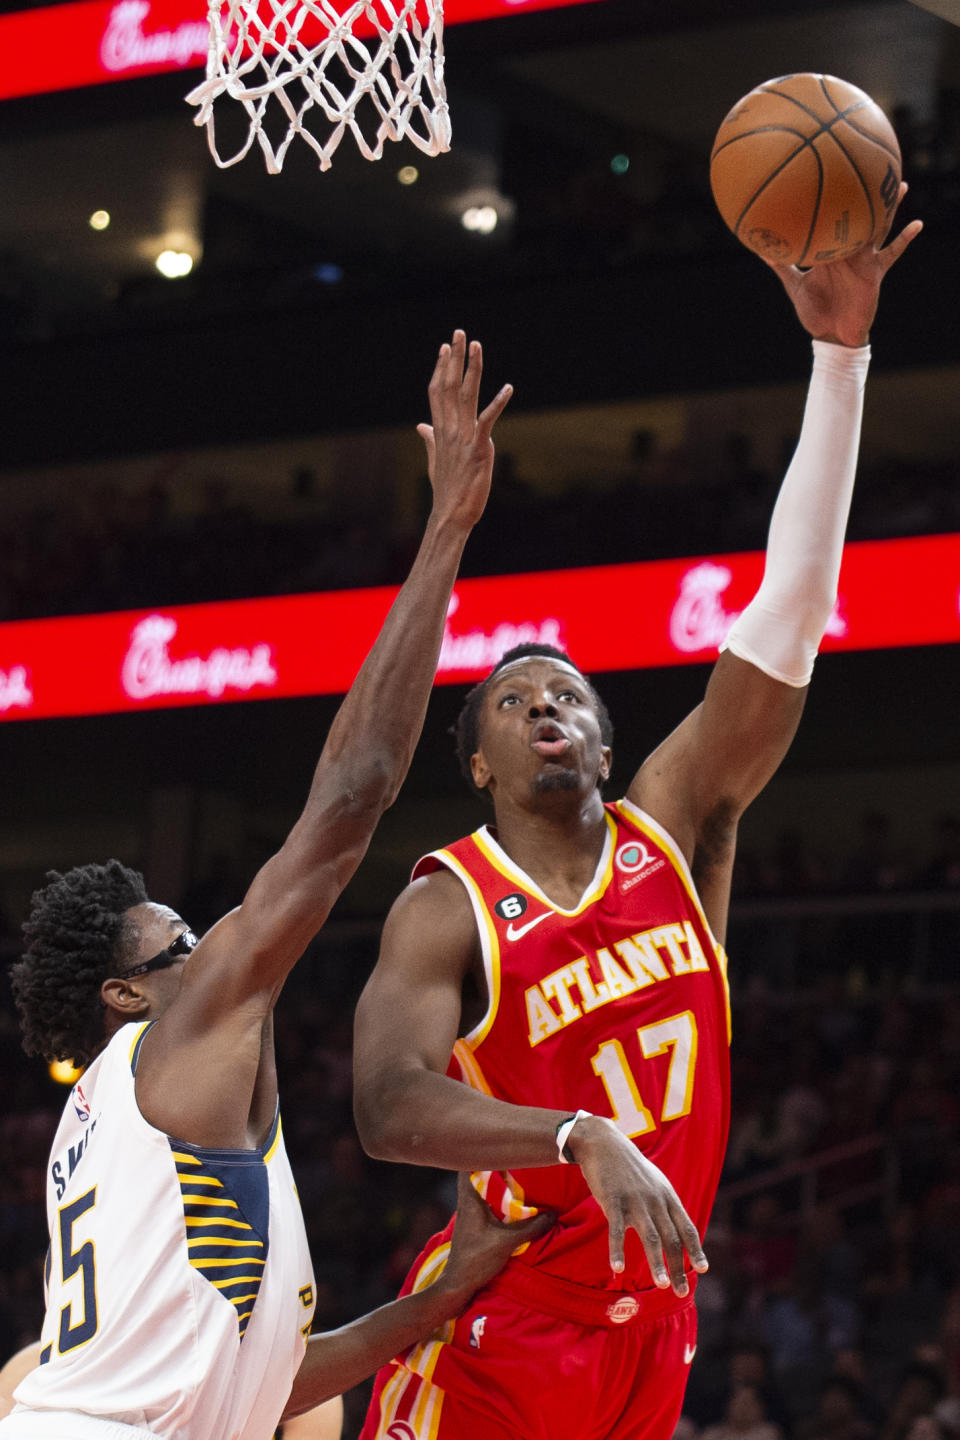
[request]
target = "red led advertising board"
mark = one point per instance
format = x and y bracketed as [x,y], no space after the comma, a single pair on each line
[88,42]
[609,617]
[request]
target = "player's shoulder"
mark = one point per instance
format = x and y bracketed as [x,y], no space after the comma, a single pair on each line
[431,918]
[433,892]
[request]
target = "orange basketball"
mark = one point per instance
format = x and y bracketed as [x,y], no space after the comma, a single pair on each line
[806,169]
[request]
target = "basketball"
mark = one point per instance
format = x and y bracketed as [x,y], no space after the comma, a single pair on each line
[806,169]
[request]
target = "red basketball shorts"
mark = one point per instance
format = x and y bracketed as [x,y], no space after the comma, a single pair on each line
[538,1358]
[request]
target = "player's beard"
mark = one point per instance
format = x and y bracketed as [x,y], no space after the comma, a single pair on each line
[549,782]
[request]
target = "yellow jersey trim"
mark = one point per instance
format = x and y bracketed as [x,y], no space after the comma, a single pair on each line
[646,824]
[489,945]
[501,861]
[273,1141]
[141,1031]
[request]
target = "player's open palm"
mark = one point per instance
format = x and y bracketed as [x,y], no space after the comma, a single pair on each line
[838,301]
[482,1244]
[635,1195]
[458,440]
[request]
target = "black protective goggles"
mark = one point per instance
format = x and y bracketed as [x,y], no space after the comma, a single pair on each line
[178,950]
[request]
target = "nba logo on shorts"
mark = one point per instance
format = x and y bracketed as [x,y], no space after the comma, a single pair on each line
[476,1331]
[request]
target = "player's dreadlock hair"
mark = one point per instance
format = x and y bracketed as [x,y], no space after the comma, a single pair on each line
[72,941]
[468,721]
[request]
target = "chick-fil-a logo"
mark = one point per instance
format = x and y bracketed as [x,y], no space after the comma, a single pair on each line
[478,649]
[149,669]
[125,46]
[15,689]
[699,619]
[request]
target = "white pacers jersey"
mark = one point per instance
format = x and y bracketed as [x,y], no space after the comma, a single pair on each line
[179,1285]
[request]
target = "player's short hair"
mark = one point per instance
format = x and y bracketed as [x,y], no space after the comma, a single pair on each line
[73,940]
[467,728]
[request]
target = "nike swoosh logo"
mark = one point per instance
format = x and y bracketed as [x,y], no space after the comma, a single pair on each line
[688,1353]
[517,932]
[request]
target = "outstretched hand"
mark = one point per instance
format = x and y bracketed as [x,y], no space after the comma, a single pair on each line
[459,447]
[635,1195]
[482,1244]
[837,301]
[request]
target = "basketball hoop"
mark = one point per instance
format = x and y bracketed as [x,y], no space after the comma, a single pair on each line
[317,69]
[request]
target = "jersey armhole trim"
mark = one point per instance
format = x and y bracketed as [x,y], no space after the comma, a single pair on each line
[652,828]
[496,856]
[489,945]
[227,1155]
[137,1042]
[633,815]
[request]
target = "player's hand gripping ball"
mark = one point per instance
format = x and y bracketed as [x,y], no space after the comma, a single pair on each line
[806,169]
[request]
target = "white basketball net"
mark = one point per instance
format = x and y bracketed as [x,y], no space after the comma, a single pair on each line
[297,67]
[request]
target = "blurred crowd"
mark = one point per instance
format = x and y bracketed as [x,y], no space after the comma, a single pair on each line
[882,915]
[105,547]
[877,865]
[116,548]
[832,1307]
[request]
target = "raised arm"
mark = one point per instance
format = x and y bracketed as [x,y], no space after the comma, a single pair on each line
[232,979]
[703,776]
[407,1109]
[370,744]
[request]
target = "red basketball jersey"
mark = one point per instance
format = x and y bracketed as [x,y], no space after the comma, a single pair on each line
[619,1007]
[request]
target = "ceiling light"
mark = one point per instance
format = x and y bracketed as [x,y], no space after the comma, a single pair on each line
[174,264]
[99,220]
[480,218]
[408,175]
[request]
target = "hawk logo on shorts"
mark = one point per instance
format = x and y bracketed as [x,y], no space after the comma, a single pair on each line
[623,1310]
[400,1430]
[476,1331]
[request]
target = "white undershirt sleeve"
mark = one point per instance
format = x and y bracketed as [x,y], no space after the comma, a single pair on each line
[781,629]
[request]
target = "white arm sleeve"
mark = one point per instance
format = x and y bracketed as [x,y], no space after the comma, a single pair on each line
[781,629]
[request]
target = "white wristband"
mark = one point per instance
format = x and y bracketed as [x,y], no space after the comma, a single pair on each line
[563,1135]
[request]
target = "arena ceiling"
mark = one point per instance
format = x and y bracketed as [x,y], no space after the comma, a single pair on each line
[541,105]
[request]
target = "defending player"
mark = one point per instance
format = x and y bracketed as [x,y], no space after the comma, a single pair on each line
[180,1291]
[343,1357]
[568,968]
[323,1422]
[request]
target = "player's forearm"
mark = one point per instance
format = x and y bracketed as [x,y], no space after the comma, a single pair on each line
[374,734]
[423,1118]
[362,766]
[781,629]
[338,1359]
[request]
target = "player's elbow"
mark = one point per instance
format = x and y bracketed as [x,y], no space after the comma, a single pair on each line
[373,1128]
[366,782]
[370,788]
[341,816]
[379,1117]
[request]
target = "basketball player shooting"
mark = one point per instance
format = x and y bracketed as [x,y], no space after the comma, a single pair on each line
[550,1009]
[179,1287]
